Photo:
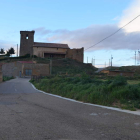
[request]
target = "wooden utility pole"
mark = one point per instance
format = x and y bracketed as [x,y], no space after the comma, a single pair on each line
[17,50]
[135,58]
[92,61]
[111,61]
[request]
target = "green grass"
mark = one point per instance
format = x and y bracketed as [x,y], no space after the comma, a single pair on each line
[6,78]
[116,92]
[133,82]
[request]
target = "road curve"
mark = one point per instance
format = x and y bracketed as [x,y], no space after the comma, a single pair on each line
[26,114]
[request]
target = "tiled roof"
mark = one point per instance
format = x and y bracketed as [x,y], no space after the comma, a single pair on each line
[50,45]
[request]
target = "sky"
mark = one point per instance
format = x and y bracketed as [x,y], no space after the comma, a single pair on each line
[78,23]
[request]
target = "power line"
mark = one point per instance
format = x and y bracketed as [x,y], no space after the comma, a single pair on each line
[112,33]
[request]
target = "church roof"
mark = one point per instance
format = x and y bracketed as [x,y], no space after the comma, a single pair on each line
[50,45]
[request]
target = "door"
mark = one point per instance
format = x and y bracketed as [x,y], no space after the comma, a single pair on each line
[28,72]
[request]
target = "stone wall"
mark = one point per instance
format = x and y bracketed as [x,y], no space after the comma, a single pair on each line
[14,69]
[10,69]
[76,54]
[37,69]
[122,73]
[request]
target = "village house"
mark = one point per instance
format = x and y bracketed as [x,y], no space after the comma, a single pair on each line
[47,50]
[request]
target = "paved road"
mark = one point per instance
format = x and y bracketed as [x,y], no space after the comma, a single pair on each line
[26,114]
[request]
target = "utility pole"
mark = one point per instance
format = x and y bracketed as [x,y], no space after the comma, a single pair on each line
[87,59]
[92,62]
[105,64]
[17,50]
[135,58]
[138,56]
[111,61]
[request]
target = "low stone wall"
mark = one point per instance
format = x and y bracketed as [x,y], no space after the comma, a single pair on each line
[127,74]
[19,69]
[37,69]
[11,69]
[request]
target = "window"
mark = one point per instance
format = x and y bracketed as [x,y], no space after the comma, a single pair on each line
[27,36]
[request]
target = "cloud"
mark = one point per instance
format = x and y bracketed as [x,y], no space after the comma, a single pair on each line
[130,13]
[128,38]
[42,31]
[89,36]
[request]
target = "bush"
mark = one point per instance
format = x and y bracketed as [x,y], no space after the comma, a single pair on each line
[6,78]
[93,90]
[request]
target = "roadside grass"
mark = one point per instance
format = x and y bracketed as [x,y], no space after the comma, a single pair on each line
[116,92]
[132,82]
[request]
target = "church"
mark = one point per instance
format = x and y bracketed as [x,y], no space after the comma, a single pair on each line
[47,50]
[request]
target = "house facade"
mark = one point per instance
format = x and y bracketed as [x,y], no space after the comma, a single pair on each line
[47,50]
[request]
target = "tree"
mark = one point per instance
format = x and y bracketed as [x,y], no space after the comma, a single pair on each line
[2,51]
[7,53]
[10,51]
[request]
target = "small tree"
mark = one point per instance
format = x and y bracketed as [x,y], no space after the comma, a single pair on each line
[7,53]
[10,51]
[2,51]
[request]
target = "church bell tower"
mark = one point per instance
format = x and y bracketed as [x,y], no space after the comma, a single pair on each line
[26,42]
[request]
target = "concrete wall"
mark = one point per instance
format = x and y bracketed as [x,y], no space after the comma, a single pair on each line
[76,54]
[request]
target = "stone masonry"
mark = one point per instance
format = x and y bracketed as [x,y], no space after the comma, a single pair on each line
[48,50]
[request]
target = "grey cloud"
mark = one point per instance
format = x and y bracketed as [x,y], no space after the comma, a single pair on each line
[42,31]
[89,36]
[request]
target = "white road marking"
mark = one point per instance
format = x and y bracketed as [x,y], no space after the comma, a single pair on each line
[93,114]
[106,107]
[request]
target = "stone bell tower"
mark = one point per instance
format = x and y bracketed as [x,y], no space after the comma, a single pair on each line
[26,42]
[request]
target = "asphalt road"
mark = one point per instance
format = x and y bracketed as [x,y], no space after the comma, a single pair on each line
[26,114]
